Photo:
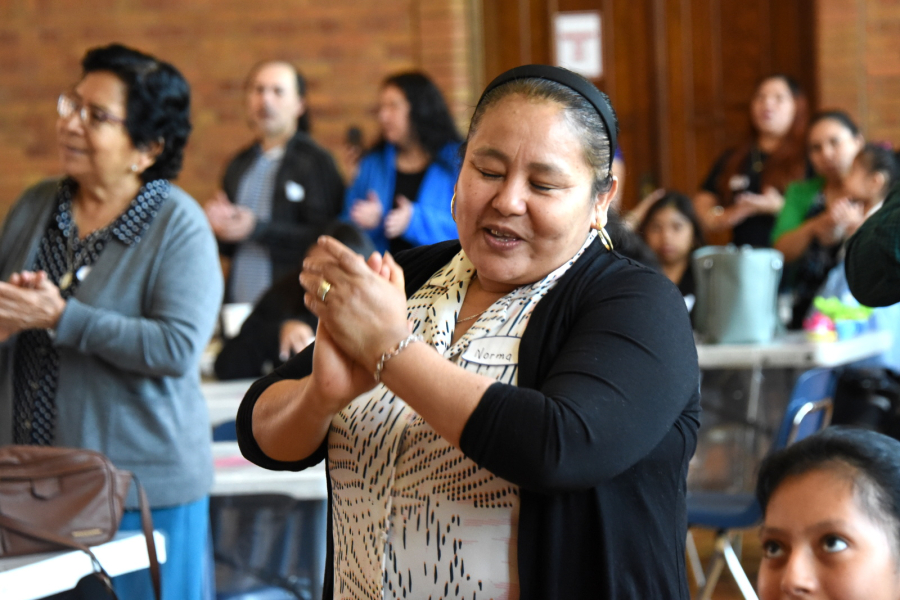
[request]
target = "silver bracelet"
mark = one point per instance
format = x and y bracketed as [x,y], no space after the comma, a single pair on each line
[392,353]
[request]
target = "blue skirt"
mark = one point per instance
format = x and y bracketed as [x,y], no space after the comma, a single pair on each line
[187,572]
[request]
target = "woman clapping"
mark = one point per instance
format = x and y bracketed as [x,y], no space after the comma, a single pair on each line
[499,416]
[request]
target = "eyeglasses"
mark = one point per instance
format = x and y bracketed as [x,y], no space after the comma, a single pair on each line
[91,116]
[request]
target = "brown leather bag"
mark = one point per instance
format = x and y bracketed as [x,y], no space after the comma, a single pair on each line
[52,498]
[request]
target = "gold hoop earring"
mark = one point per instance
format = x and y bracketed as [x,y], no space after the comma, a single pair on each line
[453,207]
[605,239]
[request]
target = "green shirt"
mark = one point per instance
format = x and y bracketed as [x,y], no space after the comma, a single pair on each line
[798,198]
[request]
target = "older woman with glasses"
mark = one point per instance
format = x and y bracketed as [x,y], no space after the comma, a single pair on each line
[110,289]
[509,415]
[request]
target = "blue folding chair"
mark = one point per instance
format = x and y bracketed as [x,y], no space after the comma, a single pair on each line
[808,411]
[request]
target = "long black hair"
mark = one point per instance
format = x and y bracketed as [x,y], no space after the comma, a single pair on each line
[875,158]
[429,117]
[682,204]
[788,162]
[836,115]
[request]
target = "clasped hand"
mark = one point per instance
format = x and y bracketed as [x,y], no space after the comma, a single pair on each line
[29,300]
[366,213]
[229,222]
[770,202]
[363,316]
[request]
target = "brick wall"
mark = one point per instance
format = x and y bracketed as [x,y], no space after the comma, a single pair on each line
[344,47]
[859,62]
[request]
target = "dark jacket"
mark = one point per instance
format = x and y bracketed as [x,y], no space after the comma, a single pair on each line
[873,256]
[597,433]
[294,224]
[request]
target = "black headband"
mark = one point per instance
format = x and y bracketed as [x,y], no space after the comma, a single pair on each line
[572,81]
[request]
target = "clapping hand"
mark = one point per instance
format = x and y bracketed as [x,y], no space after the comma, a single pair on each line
[229,222]
[337,376]
[847,215]
[770,202]
[293,337]
[397,220]
[29,300]
[366,213]
[364,309]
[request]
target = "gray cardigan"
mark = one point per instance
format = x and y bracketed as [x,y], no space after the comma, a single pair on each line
[129,343]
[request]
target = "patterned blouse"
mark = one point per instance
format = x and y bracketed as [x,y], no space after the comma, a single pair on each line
[67,259]
[414,517]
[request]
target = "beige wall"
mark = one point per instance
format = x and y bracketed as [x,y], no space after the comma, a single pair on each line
[344,47]
[859,63]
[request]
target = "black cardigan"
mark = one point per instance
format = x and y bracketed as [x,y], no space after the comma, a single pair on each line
[293,226]
[597,433]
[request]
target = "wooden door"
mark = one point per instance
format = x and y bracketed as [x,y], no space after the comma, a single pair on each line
[680,73]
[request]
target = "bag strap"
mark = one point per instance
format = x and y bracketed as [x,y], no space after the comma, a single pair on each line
[46,536]
[147,527]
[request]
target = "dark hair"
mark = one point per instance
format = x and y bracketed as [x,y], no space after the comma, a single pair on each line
[788,162]
[303,121]
[682,204]
[582,115]
[158,104]
[870,458]
[352,237]
[876,158]
[429,117]
[628,243]
[836,115]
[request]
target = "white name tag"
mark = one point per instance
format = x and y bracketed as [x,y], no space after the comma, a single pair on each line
[83,272]
[294,191]
[493,351]
[738,183]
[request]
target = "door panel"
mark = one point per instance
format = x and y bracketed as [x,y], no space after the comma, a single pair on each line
[680,73]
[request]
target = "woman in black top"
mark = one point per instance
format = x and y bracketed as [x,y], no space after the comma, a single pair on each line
[535,398]
[743,192]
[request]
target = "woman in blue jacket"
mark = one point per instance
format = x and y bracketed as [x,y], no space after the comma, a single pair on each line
[401,196]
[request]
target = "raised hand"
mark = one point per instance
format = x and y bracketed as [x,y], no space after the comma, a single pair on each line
[29,301]
[366,212]
[293,337]
[769,202]
[364,311]
[397,220]
[336,378]
[847,215]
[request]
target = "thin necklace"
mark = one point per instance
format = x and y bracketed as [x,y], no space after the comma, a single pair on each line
[475,316]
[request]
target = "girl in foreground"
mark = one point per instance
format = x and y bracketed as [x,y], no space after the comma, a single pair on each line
[831,528]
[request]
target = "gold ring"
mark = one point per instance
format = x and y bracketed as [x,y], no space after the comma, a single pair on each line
[323,290]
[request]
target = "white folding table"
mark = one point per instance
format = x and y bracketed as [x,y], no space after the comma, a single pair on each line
[223,398]
[790,351]
[235,476]
[40,575]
